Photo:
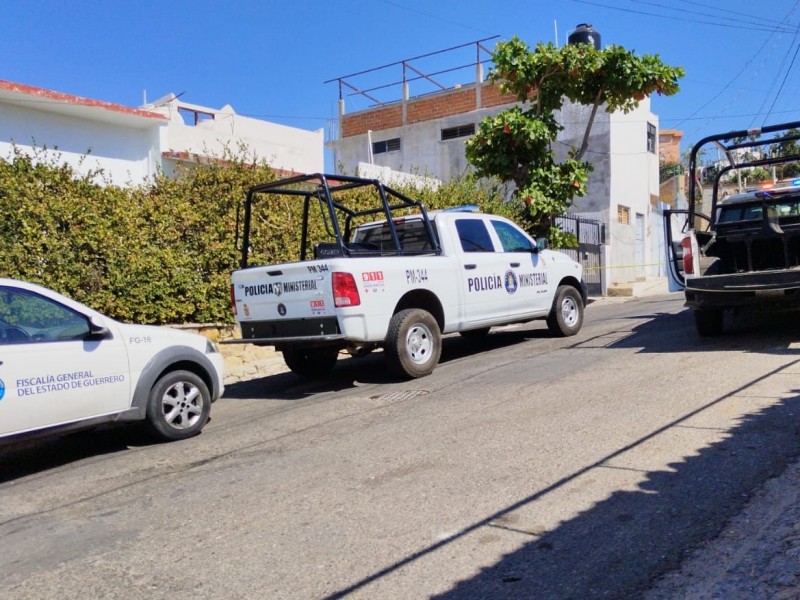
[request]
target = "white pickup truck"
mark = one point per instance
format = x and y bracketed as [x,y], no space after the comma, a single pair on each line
[377,271]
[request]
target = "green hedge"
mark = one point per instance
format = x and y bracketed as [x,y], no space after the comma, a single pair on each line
[156,253]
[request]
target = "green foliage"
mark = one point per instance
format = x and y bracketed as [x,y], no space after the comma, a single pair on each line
[787,149]
[758,174]
[162,252]
[516,145]
[668,170]
[159,253]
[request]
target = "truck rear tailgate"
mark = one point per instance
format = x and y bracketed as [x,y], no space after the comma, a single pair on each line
[286,302]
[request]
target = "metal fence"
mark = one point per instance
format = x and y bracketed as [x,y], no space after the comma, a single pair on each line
[591,236]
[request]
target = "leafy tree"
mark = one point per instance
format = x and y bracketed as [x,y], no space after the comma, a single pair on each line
[516,145]
[758,175]
[785,149]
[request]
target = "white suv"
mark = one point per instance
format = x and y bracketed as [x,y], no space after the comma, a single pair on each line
[64,366]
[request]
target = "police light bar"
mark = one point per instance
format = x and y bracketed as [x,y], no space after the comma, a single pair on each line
[464,208]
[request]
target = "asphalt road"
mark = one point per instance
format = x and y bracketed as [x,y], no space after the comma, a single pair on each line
[524,467]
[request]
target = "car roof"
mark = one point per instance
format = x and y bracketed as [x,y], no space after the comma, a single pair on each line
[758,195]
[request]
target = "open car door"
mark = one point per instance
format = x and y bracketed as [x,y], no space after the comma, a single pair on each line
[676,228]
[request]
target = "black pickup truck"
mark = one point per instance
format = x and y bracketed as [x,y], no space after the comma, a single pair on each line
[745,251]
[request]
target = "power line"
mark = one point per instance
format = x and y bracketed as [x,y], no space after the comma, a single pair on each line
[750,27]
[745,66]
[727,10]
[785,76]
[718,13]
[432,16]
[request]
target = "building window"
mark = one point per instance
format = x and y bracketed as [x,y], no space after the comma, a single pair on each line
[452,133]
[193,117]
[651,138]
[391,145]
[623,214]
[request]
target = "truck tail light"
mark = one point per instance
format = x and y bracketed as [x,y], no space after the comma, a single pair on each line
[688,259]
[233,301]
[345,292]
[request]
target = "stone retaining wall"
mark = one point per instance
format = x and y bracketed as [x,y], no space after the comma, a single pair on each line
[242,361]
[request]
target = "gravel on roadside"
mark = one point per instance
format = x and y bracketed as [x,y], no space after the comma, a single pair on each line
[757,555]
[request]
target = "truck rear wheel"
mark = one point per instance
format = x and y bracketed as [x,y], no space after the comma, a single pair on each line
[566,316]
[413,343]
[311,362]
[708,322]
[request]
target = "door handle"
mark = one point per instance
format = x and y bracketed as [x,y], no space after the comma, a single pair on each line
[468,267]
[514,264]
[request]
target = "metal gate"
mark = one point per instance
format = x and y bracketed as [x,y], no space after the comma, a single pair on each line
[591,236]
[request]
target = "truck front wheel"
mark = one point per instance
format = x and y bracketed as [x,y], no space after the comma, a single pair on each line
[413,343]
[311,362]
[566,315]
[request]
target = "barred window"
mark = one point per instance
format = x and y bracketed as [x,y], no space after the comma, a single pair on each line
[452,133]
[391,145]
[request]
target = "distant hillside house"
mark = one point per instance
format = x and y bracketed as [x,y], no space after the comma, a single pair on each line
[130,145]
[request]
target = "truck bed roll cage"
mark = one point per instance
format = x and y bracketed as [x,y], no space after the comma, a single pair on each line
[327,191]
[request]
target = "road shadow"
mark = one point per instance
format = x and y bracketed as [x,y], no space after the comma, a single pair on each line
[26,458]
[666,332]
[350,372]
[619,547]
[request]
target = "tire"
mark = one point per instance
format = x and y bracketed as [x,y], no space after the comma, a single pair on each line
[413,343]
[475,335]
[178,407]
[566,315]
[311,363]
[709,322]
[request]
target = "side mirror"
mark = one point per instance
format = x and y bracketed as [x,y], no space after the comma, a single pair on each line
[97,330]
[541,243]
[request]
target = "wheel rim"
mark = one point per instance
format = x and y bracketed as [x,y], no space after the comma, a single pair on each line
[569,312]
[182,405]
[419,343]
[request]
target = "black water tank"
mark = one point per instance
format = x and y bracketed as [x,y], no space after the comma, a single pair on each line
[584,34]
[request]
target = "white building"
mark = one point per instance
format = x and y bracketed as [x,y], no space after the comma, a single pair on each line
[86,134]
[426,135]
[196,131]
[130,145]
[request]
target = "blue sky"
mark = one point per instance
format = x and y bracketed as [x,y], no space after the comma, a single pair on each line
[270,59]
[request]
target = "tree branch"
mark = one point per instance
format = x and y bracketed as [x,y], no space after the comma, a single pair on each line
[585,143]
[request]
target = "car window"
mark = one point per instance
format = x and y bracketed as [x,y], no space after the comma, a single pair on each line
[412,234]
[26,317]
[474,235]
[512,239]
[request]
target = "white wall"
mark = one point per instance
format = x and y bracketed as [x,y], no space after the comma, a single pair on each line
[283,147]
[391,178]
[422,151]
[125,154]
[634,179]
